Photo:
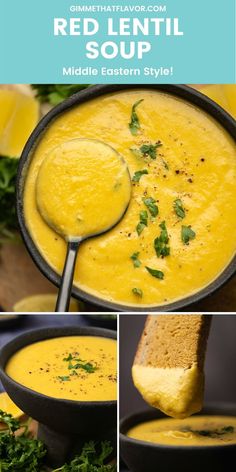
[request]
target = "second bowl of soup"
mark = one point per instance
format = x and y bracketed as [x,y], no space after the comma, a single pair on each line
[63,377]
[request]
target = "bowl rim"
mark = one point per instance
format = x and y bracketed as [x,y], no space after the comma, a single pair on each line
[138,442]
[50,333]
[182,91]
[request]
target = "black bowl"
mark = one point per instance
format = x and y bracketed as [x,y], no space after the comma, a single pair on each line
[141,456]
[67,416]
[90,93]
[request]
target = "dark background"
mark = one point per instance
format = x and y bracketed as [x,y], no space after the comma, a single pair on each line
[220,365]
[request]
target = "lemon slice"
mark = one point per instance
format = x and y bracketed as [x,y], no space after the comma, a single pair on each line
[19,114]
[42,303]
[7,405]
[224,95]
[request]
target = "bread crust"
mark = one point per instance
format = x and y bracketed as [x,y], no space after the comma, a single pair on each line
[170,341]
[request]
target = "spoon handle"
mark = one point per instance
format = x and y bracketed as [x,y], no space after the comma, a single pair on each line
[63,299]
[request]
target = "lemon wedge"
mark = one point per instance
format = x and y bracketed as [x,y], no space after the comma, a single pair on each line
[223,94]
[7,405]
[42,303]
[19,114]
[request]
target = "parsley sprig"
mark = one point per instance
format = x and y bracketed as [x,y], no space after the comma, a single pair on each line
[151,205]
[143,221]
[138,174]
[147,150]
[179,208]
[134,124]
[19,453]
[187,234]
[137,291]
[135,259]
[93,458]
[155,273]
[161,242]
[75,363]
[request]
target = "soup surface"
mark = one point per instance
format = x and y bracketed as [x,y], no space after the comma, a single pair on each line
[81,368]
[179,231]
[194,431]
[83,188]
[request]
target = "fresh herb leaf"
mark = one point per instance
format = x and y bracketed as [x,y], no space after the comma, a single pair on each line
[137,291]
[155,273]
[19,452]
[68,358]
[147,150]
[165,164]
[151,205]
[228,429]
[143,221]
[91,459]
[56,93]
[178,208]
[87,366]
[9,421]
[8,220]
[161,242]
[79,364]
[64,378]
[135,259]
[150,149]
[138,174]
[187,234]
[134,124]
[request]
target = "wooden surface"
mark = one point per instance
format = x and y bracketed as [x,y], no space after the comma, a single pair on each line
[19,276]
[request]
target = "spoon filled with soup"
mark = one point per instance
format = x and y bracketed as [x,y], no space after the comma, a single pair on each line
[83,189]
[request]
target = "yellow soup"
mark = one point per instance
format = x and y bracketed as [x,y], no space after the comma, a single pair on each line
[81,368]
[83,188]
[195,431]
[184,179]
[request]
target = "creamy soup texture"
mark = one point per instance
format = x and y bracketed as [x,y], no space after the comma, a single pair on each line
[81,368]
[83,188]
[179,232]
[195,431]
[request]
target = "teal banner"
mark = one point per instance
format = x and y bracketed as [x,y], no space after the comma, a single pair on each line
[175,41]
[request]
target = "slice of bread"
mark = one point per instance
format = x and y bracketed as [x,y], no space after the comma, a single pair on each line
[168,368]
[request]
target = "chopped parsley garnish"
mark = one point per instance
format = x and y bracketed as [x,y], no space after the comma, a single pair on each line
[93,458]
[151,205]
[137,291]
[143,221]
[178,208]
[75,363]
[138,174]
[12,423]
[165,164]
[134,124]
[150,149]
[211,433]
[147,150]
[135,259]
[161,242]
[155,273]
[19,452]
[64,378]
[187,234]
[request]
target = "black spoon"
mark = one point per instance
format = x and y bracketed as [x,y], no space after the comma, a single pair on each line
[115,178]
